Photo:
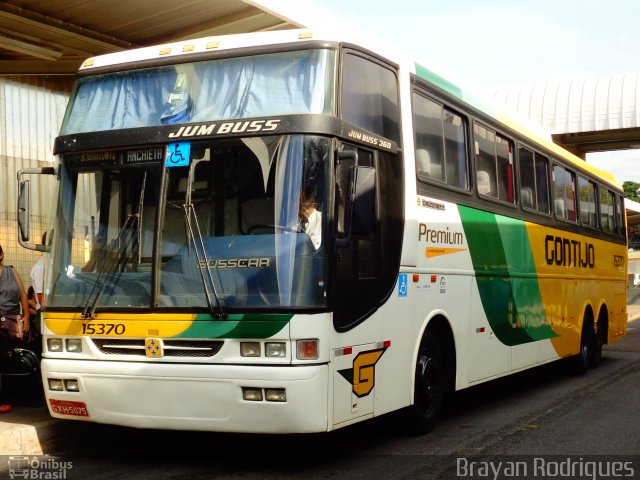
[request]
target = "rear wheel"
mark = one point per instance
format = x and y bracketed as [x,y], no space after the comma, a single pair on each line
[582,360]
[430,386]
[596,354]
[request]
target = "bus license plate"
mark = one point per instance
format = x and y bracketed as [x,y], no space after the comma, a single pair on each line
[67,407]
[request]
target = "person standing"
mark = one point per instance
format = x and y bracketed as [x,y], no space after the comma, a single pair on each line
[14,307]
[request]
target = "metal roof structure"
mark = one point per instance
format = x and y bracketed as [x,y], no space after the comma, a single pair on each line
[585,114]
[53,38]
[633,211]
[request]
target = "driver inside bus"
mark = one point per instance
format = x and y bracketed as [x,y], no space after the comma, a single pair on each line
[310,219]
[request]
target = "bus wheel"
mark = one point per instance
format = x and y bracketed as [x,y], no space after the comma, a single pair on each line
[429,385]
[596,354]
[582,360]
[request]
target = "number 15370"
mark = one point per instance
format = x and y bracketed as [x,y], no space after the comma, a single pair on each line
[103,329]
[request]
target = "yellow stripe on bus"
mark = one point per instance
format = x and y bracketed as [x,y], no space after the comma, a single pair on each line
[119,325]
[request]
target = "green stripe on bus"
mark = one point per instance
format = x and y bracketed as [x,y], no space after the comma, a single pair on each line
[505,274]
[236,326]
[437,80]
[453,89]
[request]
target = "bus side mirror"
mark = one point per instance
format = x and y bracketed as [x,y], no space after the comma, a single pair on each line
[24,199]
[24,203]
[360,217]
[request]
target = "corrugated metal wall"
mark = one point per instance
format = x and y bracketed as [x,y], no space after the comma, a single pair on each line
[31,112]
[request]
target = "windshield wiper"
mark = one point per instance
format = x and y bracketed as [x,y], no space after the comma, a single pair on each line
[113,262]
[202,260]
[199,248]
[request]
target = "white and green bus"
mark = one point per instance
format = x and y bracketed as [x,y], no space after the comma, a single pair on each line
[449,246]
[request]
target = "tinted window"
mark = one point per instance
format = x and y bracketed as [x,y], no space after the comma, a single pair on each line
[622,231]
[564,188]
[534,184]
[607,211]
[370,97]
[440,139]
[494,164]
[587,193]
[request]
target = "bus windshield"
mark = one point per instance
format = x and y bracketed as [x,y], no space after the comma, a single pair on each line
[296,82]
[241,222]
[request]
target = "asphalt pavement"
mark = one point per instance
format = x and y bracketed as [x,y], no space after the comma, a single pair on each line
[32,431]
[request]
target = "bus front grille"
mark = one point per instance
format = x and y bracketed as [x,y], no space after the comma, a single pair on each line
[171,348]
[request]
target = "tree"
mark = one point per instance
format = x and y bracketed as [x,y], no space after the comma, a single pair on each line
[632,190]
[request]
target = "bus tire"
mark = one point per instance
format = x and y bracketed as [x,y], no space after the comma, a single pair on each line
[430,386]
[581,361]
[596,354]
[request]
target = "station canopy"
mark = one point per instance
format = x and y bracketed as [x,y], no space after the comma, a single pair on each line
[53,38]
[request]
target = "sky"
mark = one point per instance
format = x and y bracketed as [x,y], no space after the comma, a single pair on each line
[489,44]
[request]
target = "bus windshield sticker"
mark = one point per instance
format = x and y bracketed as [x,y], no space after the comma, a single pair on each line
[178,155]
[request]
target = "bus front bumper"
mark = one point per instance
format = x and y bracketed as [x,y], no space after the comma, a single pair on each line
[188,396]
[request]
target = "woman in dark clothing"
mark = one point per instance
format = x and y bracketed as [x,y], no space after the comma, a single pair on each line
[13,301]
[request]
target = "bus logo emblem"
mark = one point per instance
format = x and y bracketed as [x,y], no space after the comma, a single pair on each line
[362,376]
[153,347]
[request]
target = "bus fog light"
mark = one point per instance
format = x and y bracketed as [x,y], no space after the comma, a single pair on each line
[56,384]
[276,395]
[54,344]
[73,345]
[71,385]
[252,394]
[273,349]
[250,349]
[307,349]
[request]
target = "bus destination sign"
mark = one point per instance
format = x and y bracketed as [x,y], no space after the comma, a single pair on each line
[114,158]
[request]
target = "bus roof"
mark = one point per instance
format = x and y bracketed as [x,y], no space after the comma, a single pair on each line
[201,45]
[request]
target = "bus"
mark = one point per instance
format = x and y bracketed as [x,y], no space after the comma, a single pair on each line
[450,244]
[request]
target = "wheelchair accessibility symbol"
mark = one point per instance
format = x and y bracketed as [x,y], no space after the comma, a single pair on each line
[402,285]
[177,155]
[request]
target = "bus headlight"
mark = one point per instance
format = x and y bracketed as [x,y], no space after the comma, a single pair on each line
[54,344]
[275,349]
[275,395]
[74,345]
[250,349]
[56,384]
[252,394]
[71,385]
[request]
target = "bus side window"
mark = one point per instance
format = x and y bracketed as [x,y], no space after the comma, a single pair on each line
[564,187]
[622,230]
[494,164]
[427,117]
[607,215]
[587,193]
[534,182]
[441,143]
